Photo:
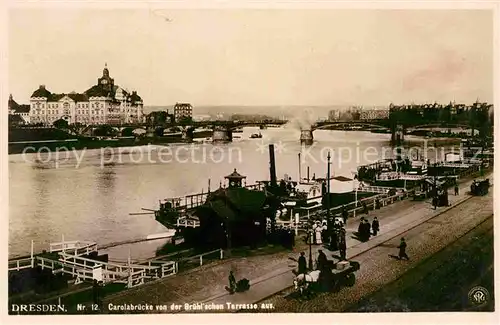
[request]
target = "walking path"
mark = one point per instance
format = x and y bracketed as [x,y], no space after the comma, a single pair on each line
[378,269]
[272,273]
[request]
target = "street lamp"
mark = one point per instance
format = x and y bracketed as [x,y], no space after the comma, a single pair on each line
[310,248]
[354,183]
[328,192]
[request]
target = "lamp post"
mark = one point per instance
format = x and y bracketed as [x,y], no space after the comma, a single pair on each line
[435,192]
[310,248]
[328,191]
[300,171]
[354,181]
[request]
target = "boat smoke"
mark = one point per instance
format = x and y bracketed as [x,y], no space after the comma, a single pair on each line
[302,120]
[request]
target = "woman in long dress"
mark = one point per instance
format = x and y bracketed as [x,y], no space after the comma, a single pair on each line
[318,230]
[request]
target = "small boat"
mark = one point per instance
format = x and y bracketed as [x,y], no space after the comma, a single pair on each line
[256,136]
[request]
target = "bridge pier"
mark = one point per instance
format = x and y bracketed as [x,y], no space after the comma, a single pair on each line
[187,133]
[306,137]
[150,132]
[397,136]
[222,135]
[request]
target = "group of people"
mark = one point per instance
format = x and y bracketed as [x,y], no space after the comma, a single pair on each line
[366,230]
[321,262]
[334,238]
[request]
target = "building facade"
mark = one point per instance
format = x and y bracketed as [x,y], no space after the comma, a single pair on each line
[374,114]
[103,103]
[23,111]
[183,111]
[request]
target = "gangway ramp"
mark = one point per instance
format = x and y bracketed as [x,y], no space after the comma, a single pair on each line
[71,257]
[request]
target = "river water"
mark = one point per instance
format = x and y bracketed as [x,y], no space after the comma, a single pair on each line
[88,194]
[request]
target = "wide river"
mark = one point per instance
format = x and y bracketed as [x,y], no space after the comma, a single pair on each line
[88,194]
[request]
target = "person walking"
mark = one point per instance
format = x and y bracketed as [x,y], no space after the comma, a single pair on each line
[96,293]
[456,189]
[402,250]
[232,283]
[302,264]
[344,214]
[319,230]
[334,239]
[322,260]
[361,227]
[365,230]
[375,226]
[342,245]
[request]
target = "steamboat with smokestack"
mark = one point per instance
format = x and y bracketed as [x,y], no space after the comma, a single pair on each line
[235,213]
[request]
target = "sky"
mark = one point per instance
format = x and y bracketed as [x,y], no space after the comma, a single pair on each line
[257,57]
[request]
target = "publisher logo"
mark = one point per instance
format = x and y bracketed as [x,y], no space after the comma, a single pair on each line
[478,295]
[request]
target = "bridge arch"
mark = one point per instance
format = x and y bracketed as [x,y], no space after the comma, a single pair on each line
[326,125]
[447,125]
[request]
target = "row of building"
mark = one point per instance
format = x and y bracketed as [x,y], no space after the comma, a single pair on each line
[359,113]
[356,114]
[103,103]
[453,107]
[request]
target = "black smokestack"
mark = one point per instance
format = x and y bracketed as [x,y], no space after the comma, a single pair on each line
[272,165]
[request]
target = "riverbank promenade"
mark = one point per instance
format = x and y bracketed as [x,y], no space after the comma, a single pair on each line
[269,274]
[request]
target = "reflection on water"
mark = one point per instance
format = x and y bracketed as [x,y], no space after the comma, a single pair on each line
[88,195]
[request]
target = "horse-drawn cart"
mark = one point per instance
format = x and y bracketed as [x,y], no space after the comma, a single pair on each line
[332,278]
[480,187]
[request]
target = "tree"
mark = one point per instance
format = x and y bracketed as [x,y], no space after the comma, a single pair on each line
[61,124]
[128,132]
[159,132]
[104,130]
[158,118]
[185,120]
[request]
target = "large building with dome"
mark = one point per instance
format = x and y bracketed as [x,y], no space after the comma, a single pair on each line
[104,103]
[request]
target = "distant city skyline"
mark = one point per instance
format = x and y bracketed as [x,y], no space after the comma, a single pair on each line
[227,58]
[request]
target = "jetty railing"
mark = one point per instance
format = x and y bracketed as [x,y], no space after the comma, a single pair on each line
[398,175]
[197,260]
[48,263]
[20,264]
[195,200]
[187,222]
[318,211]
[79,247]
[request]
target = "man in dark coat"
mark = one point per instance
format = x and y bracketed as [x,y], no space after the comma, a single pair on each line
[322,260]
[342,244]
[334,239]
[361,227]
[456,189]
[366,230]
[344,214]
[302,263]
[402,250]
[375,226]
[96,292]
[232,282]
